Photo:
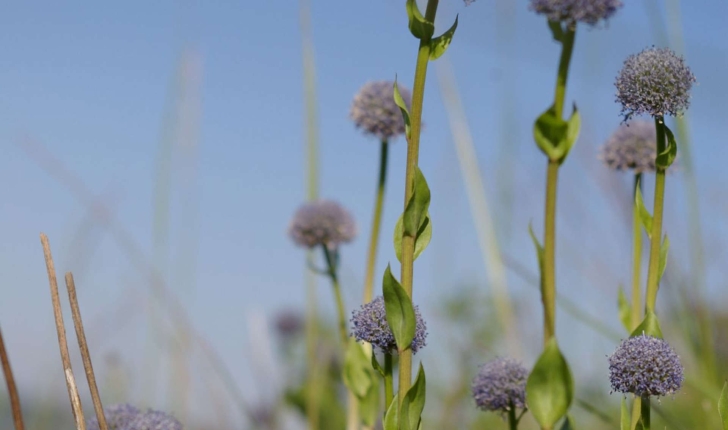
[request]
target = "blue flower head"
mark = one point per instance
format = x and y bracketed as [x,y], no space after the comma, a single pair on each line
[573,11]
[645,366]
[154,420]
[632,146]
[654,82]
[500,385]
[117,417]
[375,113]
[369,324]
[322,222]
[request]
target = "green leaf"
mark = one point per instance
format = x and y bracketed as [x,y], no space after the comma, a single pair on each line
[439,45]
[555,136]
[391,418]
[568,423]
[666,157]
[625,418]
[375,364]
[649,326]
[572,133]
[369,404]
[356,369]
[550,386]
[416,210]
[539,251]
[645,216]
[723,406]
[424,235]
[399,310]
[662,262]
[418,25]
[624,309]
[414,402]
[556,31]
[399,101]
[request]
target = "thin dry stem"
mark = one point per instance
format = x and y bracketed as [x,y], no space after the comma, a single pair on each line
[62,343]
[83,346]
[12,388]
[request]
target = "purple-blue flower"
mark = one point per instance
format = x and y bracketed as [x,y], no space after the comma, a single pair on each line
[500,385]
[654,82]
[154,420]
[632,146]
[375,113]
[369,324]
[117,417]
[573,11]
[323,222]
[645,366]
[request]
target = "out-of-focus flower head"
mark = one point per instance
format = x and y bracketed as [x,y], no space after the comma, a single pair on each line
[572,11]
[500,385]
[322,222]
[375,113]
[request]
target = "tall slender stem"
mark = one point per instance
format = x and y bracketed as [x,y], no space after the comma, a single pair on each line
[413,150]
[656,235]
[388,380]
[567,47]
[376,224]
[12,388]
[512,420]
[549,270]
[645,409]
[636,311]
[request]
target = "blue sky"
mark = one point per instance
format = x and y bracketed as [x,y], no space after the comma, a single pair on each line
[90,83]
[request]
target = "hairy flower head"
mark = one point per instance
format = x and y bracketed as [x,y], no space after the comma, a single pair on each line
[654,82]
[573,11]
[153,420]
[370,325]
[322,222]
[645,366]
[118,417]
[632,146]
[500,385]
[374,111]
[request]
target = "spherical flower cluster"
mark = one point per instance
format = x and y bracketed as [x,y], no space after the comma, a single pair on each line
[645,366]
[573,11]
[322,222]
[500,385]
[375,113]
[370,325]
[632,146]
[127,417]
[654,82]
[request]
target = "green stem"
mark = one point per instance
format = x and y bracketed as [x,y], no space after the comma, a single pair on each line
[376,224]
[512,420]
[567,47]
[413,149]
[645,409]
[636,313]
[656,234]
[549,270]
[388,380]
[636,411]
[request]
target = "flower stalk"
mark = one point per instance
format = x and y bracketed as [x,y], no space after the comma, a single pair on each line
[376,223]
[656,234]
[636,309]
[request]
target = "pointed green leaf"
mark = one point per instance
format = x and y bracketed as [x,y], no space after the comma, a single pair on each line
[416,210]
[548,132]
[625,419]
[666,157]
[645,216]
[556,31]
[439,45]
[376,366]
[399,101]
[649,326]
[414,402]
[356,369]
[568,423]
[369,404]
[662,262]
[424,235]
[550,386]
[418,25]
[723,406]
[391,418]
[572,134]
[399,310]
[624,309]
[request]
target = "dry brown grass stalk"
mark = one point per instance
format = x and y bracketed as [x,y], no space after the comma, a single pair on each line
[86,356]
[62,343]
[12,388]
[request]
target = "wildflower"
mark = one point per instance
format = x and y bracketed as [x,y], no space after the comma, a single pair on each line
[117,417]
[645,366]
[289,323]
[322,222]
[153,420]
[500,385]
[374,111]
[573,11]
[370,325]
[655,82]
[632,146]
